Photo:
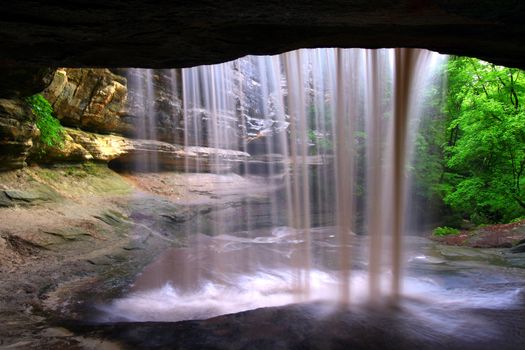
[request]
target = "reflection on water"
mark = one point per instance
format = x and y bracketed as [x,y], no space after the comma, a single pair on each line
[245,273]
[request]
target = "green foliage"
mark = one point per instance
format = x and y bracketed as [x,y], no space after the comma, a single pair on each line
[484,152]
[51,132]
[518,219]
[319,135]
[320,143]
[445,231]
[428,163]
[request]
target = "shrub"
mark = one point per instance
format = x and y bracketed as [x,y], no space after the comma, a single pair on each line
[445,231]
[518,219]
[51,132]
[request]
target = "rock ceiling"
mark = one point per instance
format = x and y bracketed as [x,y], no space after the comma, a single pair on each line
[165,34]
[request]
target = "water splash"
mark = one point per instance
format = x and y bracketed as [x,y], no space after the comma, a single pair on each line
[329,131]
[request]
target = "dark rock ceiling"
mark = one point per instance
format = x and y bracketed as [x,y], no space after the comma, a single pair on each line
[164,34]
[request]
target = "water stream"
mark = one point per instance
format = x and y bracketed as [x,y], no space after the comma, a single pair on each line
[329,131]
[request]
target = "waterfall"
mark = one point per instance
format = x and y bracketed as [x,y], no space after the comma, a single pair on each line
[328,131]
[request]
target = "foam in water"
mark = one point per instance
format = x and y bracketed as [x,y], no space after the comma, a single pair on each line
[240,288]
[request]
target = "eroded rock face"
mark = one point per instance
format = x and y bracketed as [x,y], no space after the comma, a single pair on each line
[16,133]
[91,99]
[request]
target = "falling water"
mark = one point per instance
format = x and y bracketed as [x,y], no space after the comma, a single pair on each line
[327,133]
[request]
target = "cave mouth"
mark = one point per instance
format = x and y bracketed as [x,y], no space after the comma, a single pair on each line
[268,202]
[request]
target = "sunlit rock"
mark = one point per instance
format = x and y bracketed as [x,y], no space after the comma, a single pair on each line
[91,99]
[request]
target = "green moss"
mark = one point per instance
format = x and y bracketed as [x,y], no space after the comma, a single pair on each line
[445,231]
[51,132]
[93,168]
[49,175]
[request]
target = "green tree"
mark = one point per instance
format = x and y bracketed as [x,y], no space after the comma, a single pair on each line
[485,145]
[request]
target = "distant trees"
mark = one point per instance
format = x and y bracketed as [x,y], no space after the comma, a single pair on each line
[482,152]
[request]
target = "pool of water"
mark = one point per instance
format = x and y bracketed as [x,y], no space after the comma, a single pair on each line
[217,275]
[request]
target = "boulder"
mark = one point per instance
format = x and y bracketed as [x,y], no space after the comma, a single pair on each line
[92,99]
[16,132]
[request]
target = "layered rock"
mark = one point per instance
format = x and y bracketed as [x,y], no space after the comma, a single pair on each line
[147,155]
[81,146]
[16,133]
[90,98]
[138,154]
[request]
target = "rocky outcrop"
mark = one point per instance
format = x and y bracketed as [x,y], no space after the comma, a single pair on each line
[81,146]
[494,236]
[91,99]
[16,133]
[147,155]
[138,154]
[182,34]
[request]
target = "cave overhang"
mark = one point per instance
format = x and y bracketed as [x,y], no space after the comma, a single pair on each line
[164,34]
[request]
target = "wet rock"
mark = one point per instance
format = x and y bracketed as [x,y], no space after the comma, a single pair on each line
[112,218]
[321,326]
[5,201]
[92,99]
[68,151]
[11,197]
[519,248]
[69,234]
[17,195]
[268,164]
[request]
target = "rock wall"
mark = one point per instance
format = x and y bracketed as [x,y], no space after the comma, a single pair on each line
[92,99]
[103,101]
[164,106]
[122,152]
[17,131]
[105,113]
[88,99]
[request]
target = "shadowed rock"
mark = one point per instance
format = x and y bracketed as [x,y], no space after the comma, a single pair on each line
[174,34]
